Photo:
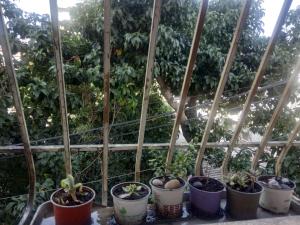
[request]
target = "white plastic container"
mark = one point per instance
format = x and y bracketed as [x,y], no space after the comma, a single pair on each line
[275,200]
[130,212]
[168,202]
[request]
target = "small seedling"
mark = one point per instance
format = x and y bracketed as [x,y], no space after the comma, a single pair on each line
[130,190]
[69,186]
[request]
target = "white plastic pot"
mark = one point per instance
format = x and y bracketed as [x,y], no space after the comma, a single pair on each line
[130,212]
[275,200]
[168,202]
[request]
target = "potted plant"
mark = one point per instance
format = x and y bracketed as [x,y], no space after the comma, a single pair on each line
[72,203]
[130,202]
[205,196]
[168,195]
[243,194]
[295,204]
[277,193]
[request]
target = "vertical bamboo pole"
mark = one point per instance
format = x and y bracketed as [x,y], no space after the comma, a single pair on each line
[286,149]
[224,77]
[147,84]
[187,79]
[256,82]
[278,110]
[61,84]
[13,83]
[106,61]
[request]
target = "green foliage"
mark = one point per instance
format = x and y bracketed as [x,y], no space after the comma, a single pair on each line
[130,190]
[241,180]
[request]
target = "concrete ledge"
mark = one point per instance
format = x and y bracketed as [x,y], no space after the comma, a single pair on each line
[286,220]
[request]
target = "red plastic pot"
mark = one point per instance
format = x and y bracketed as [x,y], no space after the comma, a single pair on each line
[79,214]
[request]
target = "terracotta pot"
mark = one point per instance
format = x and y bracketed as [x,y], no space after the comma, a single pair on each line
[130,212]
[168,202]
[205,203]
[78,214]
[242,205]
[275,200]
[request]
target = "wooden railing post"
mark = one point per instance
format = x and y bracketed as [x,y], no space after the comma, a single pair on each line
[14,86]
[256,82]
[187,79]
[224,77]
[147,84]
[61,84]
[106,61]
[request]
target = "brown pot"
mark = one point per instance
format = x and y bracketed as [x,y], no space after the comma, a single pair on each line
[242,205]
[78,214]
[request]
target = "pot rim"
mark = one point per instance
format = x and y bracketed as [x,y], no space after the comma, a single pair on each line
[165,189]
[266,186]
[73,206]
[129,200]
[246,193]
[190,185]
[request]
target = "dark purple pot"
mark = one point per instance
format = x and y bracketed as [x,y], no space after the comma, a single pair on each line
[204,203]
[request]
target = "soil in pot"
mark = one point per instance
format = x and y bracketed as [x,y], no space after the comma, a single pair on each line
[207,184]
[167,182]
[72,212]
[242,202]
[168,196]
[130,202]
[64,199]
[276,182]
[277,193]
[120,193]
[205,197]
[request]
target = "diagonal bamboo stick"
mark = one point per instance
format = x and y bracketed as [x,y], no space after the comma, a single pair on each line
[187,78]
[147,85]
[286,149]
[278,110]
[224,77]
[256,82]
[14,86]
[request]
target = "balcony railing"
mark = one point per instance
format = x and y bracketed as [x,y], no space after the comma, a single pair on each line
[106,147]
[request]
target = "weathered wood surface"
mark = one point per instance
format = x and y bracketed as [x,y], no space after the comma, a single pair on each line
[147,84]
[106,62]
[61,84]
[14,86]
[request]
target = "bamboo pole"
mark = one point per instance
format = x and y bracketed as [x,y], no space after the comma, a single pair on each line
[106,59]
[286,149]
[187,79]
[14,86]
[147,84]
[278,110]
[17,149]
[61,84]
[256,82]
[224,77]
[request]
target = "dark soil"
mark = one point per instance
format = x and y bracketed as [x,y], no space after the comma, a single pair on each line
[283,185]
[208,184]
[165,179]
[141,194]
[248,189]
[82,197]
